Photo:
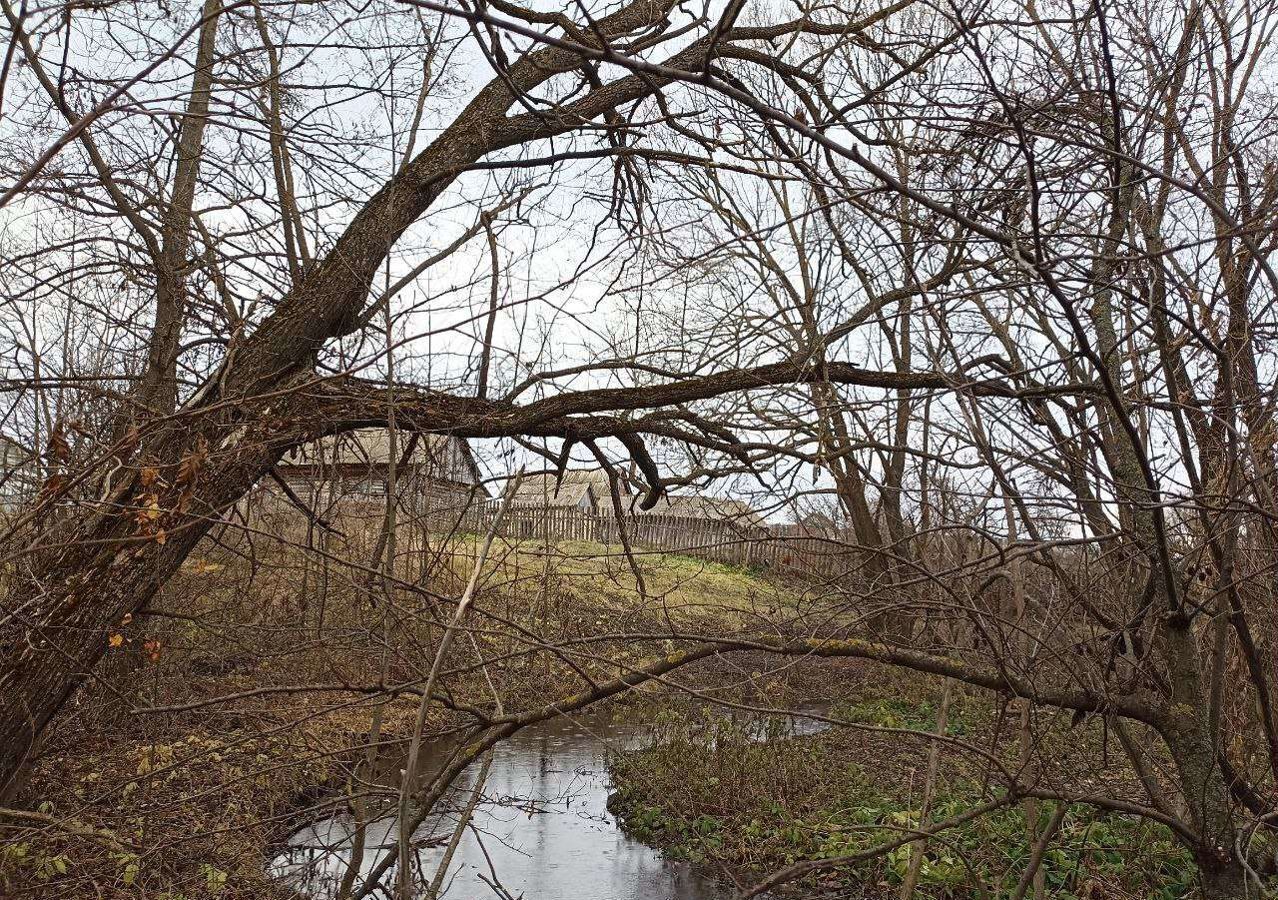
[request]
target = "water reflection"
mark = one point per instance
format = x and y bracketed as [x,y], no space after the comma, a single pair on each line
[541,829]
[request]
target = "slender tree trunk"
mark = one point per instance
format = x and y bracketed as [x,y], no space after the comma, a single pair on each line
[918,850]
[158,388]
[1187,731]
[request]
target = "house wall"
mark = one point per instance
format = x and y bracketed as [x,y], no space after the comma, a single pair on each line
[450,461]
[19,476]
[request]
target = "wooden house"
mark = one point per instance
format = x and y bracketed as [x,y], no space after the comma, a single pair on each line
[585,490]
[438,475]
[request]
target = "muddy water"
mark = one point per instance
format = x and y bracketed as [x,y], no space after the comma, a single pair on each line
[541,829]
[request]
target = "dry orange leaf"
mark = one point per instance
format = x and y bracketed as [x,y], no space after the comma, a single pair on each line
[191,464]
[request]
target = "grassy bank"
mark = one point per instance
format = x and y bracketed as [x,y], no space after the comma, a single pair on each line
[243,707]
[711,792]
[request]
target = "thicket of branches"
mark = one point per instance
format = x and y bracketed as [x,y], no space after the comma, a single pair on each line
[990,281]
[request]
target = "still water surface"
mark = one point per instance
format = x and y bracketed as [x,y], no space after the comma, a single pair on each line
[542,829]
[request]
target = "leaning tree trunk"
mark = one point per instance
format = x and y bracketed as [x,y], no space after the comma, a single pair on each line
[82,581]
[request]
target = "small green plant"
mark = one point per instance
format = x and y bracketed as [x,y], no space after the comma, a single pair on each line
[44,866]
[129,867]
[214,878]
[898,713]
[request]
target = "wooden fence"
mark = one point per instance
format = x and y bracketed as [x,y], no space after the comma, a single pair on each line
[786,548]
[789,549]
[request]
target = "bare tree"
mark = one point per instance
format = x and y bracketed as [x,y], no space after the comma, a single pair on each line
[995,277]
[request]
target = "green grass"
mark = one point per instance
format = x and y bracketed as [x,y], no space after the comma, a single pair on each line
[917,715]
[604,579]
[709,794]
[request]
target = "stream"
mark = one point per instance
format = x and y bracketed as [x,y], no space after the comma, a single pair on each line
[541,830]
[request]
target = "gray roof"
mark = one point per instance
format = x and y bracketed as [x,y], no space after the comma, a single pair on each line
[597,478]
[817,521]
[444,454]
[543,484]
[540,490]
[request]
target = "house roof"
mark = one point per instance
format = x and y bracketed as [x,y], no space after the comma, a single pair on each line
[546,489]
[544,484]
[817,521]
[540,490]
[699,506]
[597,478]
[450,456]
